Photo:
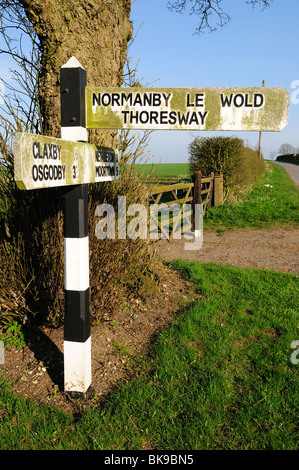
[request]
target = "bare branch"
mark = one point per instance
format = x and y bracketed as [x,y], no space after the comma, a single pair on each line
[261,3]
[209,12]
[20,43]
[204,9]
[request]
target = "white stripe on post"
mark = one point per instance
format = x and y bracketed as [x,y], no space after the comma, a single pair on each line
[76,263]
[77,366]
[74,134]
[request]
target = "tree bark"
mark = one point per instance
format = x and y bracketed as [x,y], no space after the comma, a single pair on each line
[96,32]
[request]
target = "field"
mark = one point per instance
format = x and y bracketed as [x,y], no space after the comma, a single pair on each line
[163,169]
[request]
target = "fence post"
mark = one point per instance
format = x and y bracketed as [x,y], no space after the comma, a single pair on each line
[197,187]
[211,190]
[218,190]
[196,194]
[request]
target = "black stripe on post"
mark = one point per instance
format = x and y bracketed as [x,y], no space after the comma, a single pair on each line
[72,97]
[72,86]
[75,205]
[77,320]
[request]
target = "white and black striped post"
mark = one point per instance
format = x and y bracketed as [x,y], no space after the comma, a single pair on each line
[77,339]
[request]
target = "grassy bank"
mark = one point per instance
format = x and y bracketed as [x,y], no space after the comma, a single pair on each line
[273,200]
[219,377]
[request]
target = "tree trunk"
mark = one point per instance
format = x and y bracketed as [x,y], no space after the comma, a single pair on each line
[96,32]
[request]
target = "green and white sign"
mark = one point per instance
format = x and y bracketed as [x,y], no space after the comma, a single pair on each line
[47,162]
[223,109]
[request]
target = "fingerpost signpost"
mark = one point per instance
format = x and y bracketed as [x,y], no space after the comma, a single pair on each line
[73,163]
[70,162]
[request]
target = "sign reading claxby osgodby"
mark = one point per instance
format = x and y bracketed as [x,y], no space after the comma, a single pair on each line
[46,162]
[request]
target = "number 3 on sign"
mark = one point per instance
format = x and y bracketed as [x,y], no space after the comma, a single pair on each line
[75,167]
[75,171]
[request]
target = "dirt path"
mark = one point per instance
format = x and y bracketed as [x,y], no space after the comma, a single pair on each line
[276,248]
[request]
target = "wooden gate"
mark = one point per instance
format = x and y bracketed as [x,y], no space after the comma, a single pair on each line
[177,195]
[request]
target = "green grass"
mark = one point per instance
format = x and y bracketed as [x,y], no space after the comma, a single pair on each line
[219,377]
[163,169]
[273,200]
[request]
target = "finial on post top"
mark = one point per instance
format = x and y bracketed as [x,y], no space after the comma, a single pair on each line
[72,63]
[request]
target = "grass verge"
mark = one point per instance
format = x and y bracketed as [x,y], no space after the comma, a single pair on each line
[219,377]
[273,200]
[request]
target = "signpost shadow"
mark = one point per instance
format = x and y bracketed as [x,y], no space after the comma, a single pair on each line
[47,352]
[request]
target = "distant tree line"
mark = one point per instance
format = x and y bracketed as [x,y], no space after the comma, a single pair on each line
[287,149]
[288,153]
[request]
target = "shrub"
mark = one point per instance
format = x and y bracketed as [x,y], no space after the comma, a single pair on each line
[31,248]
[239,165]
[119,266]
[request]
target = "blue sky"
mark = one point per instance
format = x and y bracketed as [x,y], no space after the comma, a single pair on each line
[255,46]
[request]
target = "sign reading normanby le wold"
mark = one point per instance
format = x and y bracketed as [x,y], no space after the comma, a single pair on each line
[227,109]
[45,162]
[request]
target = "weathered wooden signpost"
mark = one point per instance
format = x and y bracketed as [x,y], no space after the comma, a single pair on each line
[45,162]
